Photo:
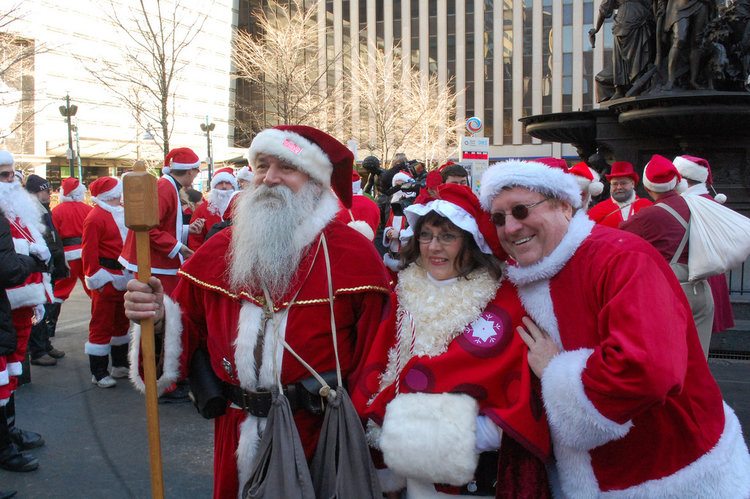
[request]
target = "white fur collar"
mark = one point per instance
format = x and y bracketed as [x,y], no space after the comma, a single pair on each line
[118,215]
[579,229]
[318,219]
[438,313]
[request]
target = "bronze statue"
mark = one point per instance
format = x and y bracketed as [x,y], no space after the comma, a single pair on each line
[633,32]
[684,22]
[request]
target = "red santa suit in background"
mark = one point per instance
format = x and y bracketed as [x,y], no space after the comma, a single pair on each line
[212,211]
[612,213]
[204,310]
[68,217]
[395,225]
[171,233]
[104,232]
[699,170]
[364,214]
[25,217]
[633,408]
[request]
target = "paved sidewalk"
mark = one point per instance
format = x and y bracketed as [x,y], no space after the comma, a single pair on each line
[96,438]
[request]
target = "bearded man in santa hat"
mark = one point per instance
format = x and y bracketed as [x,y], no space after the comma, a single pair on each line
[273,274]
[169,239]
[104,233]
[223,188]
[632,406]
[664,225]
[623,202]
[24,214]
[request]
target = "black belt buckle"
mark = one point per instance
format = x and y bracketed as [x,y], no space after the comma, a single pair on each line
[257,403]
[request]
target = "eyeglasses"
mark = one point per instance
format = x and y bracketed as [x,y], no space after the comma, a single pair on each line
[444,238]
[519,212]
[7,174]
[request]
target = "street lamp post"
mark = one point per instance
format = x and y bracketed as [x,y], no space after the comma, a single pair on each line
[69,110]
[208,128]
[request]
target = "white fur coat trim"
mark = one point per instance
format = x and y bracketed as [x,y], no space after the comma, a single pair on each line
[96,350]
[579,229]
[248,330]
[71,255]
[30,295]
[4,377]
[99,279]
[438,313]
[431,437]
[721,473]
[573,419]
[172,349]
[117,341]
[15,368]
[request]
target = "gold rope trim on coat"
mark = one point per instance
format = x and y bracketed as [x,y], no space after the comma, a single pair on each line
[261,301]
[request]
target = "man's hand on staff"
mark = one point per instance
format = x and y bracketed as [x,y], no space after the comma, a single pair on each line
[541,347]
[144,301]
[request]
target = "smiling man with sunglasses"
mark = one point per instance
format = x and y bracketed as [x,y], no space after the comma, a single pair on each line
[633,409]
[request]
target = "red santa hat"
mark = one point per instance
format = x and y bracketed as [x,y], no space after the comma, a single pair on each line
[224,175]
[181,158]
[433,179]
[312,151]
[554,162]
[622,169]
[245,174]
[71,189]
[445,165]
[356,182]
[531,175]
[588,179]
[459,204]
[698,169]
[6,158]
[106,188]
[401,177]
[660,175]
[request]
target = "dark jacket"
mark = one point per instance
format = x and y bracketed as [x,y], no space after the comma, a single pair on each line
[14,269]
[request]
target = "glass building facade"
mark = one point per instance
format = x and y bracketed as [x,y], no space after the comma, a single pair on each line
[506,59]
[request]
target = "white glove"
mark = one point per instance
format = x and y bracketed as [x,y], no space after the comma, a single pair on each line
[38,314]
[41,251]
[488,435]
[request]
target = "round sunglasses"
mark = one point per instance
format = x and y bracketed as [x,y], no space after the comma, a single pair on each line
[519,212]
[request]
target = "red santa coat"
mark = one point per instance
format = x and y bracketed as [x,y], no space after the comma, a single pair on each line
[632,406]
[204,312]
[102,238]
[68,219]
[166,238]
[210,217]
[462,352]
[608,212]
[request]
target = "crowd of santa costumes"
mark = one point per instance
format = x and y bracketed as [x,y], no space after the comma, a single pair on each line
[439,375]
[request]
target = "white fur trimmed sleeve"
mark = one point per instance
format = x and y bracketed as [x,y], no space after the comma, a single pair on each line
[574,420]
[172,349]
[431,437]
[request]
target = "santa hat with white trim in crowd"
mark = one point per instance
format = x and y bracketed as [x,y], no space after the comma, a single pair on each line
[6,158]
[245,173]
[660,174]
[312,151]
[460,205]
[697,169]
[531,175]
[71,189]
[587,178]
[356,183]
[181,158]
[106,188]
[225,174]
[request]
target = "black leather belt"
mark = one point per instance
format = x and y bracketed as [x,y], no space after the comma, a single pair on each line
[71,241]
[110,263]
[259,403]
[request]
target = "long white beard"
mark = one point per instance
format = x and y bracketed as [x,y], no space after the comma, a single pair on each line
[16,203]
[264,250]
[218,201]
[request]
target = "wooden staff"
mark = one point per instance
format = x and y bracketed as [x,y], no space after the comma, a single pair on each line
[141,215]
